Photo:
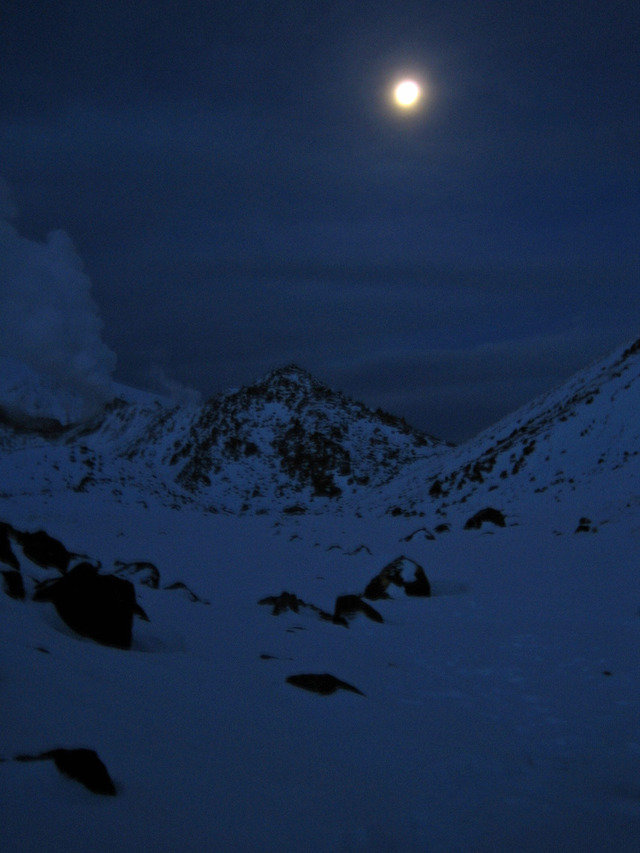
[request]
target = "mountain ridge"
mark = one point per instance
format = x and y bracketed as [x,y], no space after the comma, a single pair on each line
[284,438]
[288,440]
[192,662]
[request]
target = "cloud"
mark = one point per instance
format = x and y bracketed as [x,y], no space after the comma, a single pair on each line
[179,394]
[48,319]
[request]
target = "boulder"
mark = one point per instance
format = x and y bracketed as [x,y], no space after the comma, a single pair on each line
[44,550]
[347,606]
[489,514]
[378,585]
[324,683]
[100,607]
[83,765]
[401,572]
[283,602]
[13,584]
[6,552]
[419,586]
[190,594]
[140,571]
[288,601]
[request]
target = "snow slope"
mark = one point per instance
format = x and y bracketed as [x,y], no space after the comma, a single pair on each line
[502,713]
[570,445]
[286,440]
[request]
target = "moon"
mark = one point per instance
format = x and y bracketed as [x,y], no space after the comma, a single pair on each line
[407,94]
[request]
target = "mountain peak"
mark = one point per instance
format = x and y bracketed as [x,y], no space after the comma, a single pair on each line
[292,372]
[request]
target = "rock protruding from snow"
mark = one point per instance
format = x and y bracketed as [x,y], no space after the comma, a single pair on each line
[347,606]
[100,607]
[83,765]
[487,515]
[44,550]
[6,551]
[401,572]
[13,584]
[322,683]
[139,571]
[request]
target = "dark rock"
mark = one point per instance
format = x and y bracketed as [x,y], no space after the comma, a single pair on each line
[394,573]
[324,684]
[377,586]
[436,490]
[83,765]
[44,550]
[420,585]
[443,528]
[348,605]
[100,607]
[13,584]
[140,612]
[283,602]
[288,601]
[489,514]
[188,592]
[295,509]
[6,553]
[426,534]
[584,526]
[141,571]
[358,550]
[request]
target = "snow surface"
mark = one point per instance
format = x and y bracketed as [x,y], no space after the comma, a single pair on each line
[501,714]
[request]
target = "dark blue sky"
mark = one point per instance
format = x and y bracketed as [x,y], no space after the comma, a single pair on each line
[242,194]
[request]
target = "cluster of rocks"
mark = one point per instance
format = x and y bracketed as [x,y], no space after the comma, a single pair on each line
[402,572]
[96,605]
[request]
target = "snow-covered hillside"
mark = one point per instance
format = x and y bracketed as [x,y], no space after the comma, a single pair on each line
[287,440]
[277,678]
[579,442]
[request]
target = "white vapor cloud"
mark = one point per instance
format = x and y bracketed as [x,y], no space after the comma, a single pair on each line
[178,393]
[48,319]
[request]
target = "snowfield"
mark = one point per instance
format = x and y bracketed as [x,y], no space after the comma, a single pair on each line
[501,713]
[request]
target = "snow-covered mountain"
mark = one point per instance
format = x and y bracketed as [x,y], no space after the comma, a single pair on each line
[578,442]
[285,440]
[282,622]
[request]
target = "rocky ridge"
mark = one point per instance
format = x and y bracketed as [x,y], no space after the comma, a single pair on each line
[286,441]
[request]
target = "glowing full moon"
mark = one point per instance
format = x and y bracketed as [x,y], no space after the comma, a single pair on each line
[407,93]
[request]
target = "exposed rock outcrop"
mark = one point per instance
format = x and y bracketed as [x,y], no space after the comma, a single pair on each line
[397,573]
[6,552]
[347,606]
[324,683]
[83,765]
[13,584]
[289,601]
[490,515]
[140,571]
[44,550]
[100,607]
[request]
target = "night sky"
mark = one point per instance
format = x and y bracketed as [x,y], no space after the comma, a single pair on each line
[237,192]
